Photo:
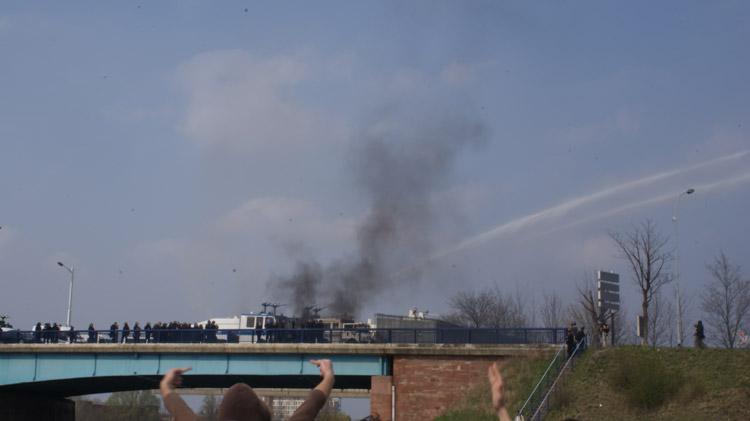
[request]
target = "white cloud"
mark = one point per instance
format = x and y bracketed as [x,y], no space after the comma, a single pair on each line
[621,122]
[461,199]
[285,219]
[405,79]
[469,196]
[164,248]
[7,235]
[590,252]
[246,244]
[461,72]
[723,139]
[247,103]
[260,212]
[625,122]
[341,65]
[133,115]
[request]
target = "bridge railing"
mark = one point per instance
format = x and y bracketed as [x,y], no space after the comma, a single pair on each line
[321,335]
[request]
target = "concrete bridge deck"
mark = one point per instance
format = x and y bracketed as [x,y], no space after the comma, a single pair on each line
[79,369]
[434,375]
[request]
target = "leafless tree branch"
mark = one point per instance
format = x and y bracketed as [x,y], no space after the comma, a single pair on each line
[489,307]
[725,301]
[642,248]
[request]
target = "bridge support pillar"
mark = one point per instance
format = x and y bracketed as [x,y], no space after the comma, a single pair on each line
[381,401]
[25,408]
[428,386]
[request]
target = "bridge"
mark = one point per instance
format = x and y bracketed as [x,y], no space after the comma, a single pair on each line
[404,373]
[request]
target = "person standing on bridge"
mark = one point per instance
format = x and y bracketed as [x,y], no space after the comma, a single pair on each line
[92,334]
[240,403]
[125,332]
[136,333]
[113,332]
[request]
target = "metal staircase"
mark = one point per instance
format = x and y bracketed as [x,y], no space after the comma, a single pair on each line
[538,403]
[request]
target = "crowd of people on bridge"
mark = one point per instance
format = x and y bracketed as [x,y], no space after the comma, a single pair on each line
[159,332]
[49,333]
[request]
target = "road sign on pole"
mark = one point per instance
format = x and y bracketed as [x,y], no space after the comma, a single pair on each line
[608,291]
[608,296]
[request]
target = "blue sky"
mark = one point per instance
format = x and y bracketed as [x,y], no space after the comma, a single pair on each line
[183,156]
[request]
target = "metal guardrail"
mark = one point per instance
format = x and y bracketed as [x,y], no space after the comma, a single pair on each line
[546,377]
[580,347]
[390,335]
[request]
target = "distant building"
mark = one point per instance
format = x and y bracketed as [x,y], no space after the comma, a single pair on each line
[283,408]
[431,330]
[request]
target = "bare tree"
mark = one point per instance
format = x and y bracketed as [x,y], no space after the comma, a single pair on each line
[552,310]
[586,310]
[659,320]
[209,411]
[625,333]
[473,309]
[670,318]
[133,405]
[489,307]
[517,307]
[330,413]
[642,249]
[575,312]
[687,311]
[687,300]
[726,301]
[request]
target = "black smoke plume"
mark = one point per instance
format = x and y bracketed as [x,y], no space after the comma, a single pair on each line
[398,165]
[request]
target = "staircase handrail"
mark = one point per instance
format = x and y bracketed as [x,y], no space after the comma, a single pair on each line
[562,372]
[549,367]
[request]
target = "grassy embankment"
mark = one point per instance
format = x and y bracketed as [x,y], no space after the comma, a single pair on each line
[521,375]
[632,383]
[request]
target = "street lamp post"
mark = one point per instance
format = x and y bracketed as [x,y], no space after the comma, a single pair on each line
[70,290]
[676,268]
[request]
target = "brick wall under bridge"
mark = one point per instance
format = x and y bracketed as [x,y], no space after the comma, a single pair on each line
[426,382]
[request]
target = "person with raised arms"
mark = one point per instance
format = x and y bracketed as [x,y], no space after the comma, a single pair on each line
[240,403]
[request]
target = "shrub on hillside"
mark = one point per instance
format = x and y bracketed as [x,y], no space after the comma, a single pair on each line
[562,398]
[645,382]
